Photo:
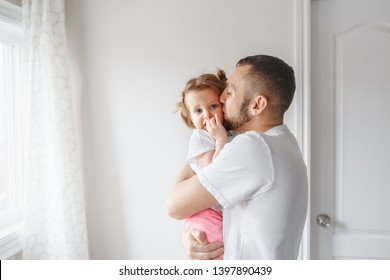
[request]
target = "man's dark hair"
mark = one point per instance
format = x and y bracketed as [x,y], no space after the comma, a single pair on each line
[271,77]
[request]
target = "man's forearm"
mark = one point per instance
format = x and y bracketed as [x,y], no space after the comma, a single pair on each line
[189,197]
[184,174]
[182,193]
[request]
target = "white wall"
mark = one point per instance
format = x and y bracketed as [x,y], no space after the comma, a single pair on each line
[136,56]
[16,2]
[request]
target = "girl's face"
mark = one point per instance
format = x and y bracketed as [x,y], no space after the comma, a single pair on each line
[203,105]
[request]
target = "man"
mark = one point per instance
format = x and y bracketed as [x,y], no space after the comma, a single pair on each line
[259,178]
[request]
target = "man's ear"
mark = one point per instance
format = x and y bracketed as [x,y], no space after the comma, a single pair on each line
[259,104]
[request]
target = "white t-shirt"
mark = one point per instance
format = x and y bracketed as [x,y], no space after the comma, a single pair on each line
[260,179]
[200,142]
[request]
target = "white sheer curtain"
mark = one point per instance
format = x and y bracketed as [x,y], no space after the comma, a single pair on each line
[55,209]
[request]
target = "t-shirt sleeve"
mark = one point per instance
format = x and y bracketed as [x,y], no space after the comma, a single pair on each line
[200,142]
[242,171]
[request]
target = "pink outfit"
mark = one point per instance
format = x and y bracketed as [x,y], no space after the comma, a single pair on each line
[208,221]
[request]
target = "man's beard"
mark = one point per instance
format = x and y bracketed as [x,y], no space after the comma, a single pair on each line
[242,118]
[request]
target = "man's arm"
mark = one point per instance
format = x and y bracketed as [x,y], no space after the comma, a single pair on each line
[188,196]
[184,174]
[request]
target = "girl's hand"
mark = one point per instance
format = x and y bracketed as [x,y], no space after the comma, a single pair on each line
[216,129]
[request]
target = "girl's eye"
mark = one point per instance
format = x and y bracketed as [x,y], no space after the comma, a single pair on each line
[214,106]
[197,111]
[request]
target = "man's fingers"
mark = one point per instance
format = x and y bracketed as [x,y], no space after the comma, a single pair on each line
[199,236]
[213,252]
[216,255]
[197,248]
[206,252]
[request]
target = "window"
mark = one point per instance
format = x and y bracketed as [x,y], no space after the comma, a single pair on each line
[11,146]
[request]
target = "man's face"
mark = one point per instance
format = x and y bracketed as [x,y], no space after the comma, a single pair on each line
[235,103]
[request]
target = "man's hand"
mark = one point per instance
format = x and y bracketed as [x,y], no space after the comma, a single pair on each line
[197,247]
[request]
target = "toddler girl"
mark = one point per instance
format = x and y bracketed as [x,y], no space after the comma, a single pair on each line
[201,110]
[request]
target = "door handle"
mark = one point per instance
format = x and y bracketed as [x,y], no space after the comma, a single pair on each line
[323,220]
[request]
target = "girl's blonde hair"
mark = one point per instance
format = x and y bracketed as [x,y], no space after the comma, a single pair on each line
[217,82]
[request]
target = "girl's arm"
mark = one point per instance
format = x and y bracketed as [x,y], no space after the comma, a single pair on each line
[218,132]
[205,158]
[219,143]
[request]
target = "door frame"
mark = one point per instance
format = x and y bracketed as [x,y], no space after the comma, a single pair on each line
[303,11]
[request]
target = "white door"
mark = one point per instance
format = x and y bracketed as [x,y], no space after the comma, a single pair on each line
[350,129]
